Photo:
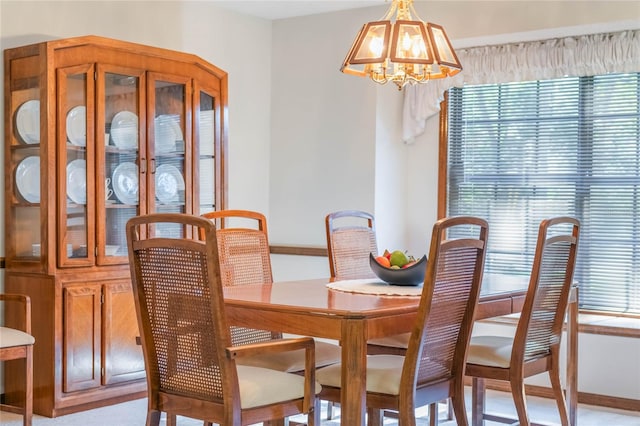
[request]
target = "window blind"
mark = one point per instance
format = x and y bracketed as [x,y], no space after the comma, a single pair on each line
[521,152]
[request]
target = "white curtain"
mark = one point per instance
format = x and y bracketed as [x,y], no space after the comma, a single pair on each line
[593,54]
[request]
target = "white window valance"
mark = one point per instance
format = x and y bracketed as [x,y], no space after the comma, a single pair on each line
[593,54]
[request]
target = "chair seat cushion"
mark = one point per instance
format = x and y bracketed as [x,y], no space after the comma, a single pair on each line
[258,386]
[492,351]
[262,386]
[397,341]
[293,361]
[383,374]
[10,337]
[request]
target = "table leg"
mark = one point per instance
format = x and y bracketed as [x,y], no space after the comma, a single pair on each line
[572,357]
[354,365]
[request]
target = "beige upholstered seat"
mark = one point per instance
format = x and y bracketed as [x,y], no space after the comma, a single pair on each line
[245,259]
[433,367]
[536,345]
[17,343]
[190,362]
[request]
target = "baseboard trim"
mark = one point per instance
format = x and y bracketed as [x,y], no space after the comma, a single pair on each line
[583,397]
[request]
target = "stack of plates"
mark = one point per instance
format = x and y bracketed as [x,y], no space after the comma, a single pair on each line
[167,132]
[206,132]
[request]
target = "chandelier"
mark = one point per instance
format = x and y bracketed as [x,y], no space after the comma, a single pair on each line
[403,50]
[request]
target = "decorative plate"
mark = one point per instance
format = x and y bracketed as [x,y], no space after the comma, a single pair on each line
[77,181]
[124,130]
[169,181]
[28,122]
[77,125]
[125,183]
[28,179]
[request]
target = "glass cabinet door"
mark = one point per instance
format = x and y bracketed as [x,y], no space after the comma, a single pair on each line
[121,157]
[169,144]
[206,137]
[76,165]
[23,230]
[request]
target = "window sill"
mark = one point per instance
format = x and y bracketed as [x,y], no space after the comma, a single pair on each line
[607,325]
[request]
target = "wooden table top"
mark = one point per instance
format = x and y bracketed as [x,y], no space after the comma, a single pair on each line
[315,297]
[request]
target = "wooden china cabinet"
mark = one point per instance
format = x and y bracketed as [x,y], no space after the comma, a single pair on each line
[98,131]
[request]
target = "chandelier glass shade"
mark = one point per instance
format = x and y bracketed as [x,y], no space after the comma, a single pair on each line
[401,49]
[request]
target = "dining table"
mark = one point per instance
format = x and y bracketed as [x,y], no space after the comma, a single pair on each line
[310,307]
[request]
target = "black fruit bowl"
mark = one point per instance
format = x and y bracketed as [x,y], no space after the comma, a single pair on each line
[412,275]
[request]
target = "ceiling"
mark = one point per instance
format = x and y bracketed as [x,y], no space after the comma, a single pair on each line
[278,9]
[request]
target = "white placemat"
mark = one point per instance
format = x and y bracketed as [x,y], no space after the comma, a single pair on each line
[374,286]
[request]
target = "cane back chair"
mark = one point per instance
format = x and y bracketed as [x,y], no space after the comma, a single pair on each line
[535,348]
[245,259]
[433,368]
[190,362]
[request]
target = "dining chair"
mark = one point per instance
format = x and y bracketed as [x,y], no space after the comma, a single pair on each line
[16,343]
[191,362]
[351,236]
[432,369]
[245,258]
[535,348]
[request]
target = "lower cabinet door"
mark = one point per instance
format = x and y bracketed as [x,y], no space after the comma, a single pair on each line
[122,357]
[81,336]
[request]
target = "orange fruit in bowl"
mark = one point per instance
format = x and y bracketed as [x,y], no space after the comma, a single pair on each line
[382,260]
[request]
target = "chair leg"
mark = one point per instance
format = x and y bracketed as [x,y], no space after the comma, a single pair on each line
[554,376]
[314,417]
[433,414]
[28,388]
[374,417]
[477,401]
[329,410]
[450,411]
[153,417]
[172,420]
[520,401]
[456,404]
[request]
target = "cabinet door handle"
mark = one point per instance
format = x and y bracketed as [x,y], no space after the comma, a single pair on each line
[143,165]
[153,166]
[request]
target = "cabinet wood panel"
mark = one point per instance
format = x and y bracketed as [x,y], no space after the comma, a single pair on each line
[81,323]
[123,360]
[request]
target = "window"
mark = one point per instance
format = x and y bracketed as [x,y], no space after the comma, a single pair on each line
[521,152]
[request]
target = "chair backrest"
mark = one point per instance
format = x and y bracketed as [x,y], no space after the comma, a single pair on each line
[244,247]
[351,236]
[180,309]
[438,345]
[540,326]
[244,256]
